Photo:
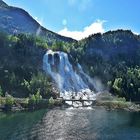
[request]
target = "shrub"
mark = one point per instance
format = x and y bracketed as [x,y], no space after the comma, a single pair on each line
[2,101]
[32,99]
[38,97]
[9,102]
[51,101]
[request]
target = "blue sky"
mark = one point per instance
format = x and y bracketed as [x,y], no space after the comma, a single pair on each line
[80,18]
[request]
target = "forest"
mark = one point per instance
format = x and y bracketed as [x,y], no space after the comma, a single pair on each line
[113,57]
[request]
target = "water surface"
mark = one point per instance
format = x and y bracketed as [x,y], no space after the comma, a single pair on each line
[70,124]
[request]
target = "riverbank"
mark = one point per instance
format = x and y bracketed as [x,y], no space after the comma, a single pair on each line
[113,103]
[109,102]
[105,100]
[25,104]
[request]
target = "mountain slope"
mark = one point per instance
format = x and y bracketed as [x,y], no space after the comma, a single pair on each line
[15,20]
[111,44]
[112,57]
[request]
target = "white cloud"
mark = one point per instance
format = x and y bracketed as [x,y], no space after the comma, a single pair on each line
[95,27]
[136,33]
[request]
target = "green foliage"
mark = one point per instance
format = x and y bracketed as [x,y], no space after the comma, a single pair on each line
[128,85]
[1,92]
[35,99]
[9,100]
[32,100]
[113,57]
[2,101]
[121,99]
[61,46]
[26,84]
[117,85]
[38,97]
[20,63]
[13,39]
[51,101]
[26,102]
[40,83]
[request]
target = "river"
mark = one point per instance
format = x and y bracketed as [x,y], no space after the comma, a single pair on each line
[70,124]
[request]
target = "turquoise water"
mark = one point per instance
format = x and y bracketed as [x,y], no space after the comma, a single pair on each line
[70,124]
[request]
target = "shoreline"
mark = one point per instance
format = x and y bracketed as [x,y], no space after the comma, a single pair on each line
[114,105]
[108,101]
[109,106]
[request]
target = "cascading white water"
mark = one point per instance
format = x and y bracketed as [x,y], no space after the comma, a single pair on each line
[69,82]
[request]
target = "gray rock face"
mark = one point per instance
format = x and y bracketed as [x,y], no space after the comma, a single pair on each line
[15,20]
[3,3]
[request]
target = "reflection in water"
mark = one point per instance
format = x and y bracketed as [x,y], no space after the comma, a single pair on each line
[70,124]
[17,126]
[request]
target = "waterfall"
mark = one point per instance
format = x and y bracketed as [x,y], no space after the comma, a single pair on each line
[69,82]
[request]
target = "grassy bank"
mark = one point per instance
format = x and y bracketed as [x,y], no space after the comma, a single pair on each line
[32,103]
[114,102]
